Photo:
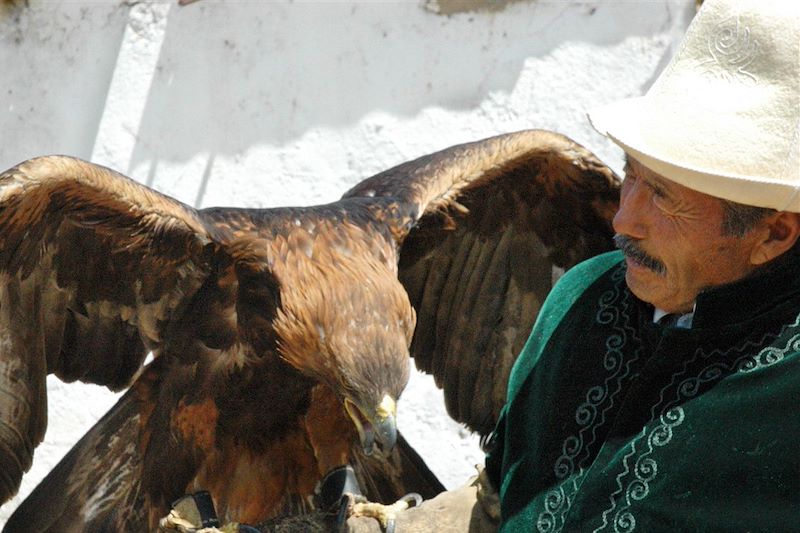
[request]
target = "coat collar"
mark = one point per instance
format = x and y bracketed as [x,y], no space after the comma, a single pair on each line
[765,289]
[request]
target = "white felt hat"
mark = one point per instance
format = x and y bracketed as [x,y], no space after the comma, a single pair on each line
[724,116]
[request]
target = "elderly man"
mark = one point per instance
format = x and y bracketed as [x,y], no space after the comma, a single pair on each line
[658,390]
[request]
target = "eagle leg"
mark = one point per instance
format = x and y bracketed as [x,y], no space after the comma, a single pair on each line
[337,491]
[195,513]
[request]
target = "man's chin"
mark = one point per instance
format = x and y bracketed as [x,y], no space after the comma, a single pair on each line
[643,283]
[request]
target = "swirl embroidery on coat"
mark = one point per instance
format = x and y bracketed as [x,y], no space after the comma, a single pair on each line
[672,415]
[576,449]
[745,361]
[645,469]
[770,355]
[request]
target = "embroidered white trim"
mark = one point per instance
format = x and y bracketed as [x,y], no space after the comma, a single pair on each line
[672,415]
[571,465]
[769,355]
[645,470]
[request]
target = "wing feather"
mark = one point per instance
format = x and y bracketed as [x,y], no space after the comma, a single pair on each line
[96,486]
[432,274]
[480,228]
[488,296]
[93,266]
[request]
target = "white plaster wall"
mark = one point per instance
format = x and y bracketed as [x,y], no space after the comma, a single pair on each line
[273,103]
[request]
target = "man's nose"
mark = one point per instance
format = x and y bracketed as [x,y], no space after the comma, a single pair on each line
[631,216]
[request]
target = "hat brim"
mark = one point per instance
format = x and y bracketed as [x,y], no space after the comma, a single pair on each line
[632,124]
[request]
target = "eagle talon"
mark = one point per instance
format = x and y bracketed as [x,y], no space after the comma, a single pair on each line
[174,521]
[385,514]
[412,497]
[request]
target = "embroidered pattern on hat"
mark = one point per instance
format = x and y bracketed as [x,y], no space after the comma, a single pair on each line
[733,49]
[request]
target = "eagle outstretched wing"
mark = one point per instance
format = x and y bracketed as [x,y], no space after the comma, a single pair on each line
[494,222]
[92,267]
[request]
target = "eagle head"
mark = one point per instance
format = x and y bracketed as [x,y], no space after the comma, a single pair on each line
[350,327]
[371,369]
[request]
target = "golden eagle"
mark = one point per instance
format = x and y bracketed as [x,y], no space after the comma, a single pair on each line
[280,336]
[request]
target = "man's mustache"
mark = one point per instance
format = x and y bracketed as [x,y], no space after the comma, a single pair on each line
[631,249]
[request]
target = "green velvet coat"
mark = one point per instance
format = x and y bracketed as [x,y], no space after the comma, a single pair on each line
[614,423]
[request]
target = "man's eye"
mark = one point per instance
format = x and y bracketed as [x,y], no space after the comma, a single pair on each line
[656,190]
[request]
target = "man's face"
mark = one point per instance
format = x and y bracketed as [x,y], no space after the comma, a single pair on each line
[673,242]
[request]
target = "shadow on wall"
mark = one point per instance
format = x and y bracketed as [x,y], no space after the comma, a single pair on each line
[228,78]
[273,71]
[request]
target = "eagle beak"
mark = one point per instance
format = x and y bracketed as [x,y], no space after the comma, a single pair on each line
[379,429]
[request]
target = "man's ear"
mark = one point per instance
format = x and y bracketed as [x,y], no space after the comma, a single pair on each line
[777,233]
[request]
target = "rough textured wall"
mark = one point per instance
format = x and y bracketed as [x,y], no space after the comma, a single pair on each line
[275,103]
